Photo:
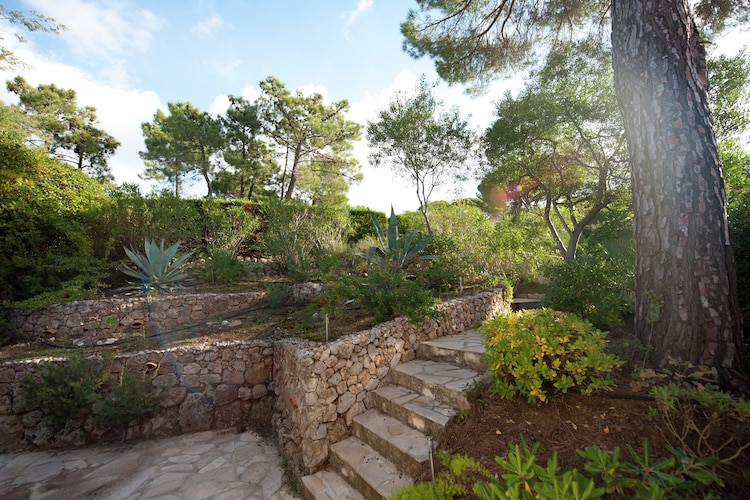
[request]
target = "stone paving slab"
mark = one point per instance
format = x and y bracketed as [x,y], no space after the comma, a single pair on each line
[221,465]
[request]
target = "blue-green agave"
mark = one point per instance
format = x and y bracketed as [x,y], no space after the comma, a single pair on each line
[396,251]
[159,268]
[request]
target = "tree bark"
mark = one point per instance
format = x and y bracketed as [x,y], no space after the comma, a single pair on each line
[686,296]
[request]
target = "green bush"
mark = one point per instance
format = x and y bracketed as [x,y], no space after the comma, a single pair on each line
[532,351]
[129,399]
[65,391]
[276,294]
[595,285]
[389,293]
[297,235]
[222,266]
[45,209]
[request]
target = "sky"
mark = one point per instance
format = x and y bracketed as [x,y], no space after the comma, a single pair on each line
[128,58]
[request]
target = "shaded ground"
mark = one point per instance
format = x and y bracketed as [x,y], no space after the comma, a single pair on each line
[574,421]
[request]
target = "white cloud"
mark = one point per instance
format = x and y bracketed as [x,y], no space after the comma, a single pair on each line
[226,67]
[362,7]
[120,111]
[96,29]
[208,26]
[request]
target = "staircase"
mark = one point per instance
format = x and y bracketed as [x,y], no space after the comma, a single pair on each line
[391,442]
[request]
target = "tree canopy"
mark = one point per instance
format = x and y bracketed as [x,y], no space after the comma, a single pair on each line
[308,135]
[686,296]
[64,129]
[421,143]
[560,142]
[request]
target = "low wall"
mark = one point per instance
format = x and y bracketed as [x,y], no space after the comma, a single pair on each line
[201,387]
[306,392]
[90,321]
[321,387]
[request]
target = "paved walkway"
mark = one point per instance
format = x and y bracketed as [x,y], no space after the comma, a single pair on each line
[220,465]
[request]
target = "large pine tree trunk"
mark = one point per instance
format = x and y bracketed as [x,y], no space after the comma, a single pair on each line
[686,297]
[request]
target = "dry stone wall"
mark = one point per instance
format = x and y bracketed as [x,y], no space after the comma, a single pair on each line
[321,387]
[306,392]
[201,387]
[88,322]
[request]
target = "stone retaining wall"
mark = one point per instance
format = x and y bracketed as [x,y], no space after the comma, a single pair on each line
[86,322]
[307,392]
[321,387]
[201,387]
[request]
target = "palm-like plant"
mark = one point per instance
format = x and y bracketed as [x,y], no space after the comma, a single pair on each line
[396,251]
[159,268]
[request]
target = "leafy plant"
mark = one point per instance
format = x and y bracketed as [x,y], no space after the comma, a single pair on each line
[276,294]
[129,399]
[594,285]
[223,266]
[159,269]
[396,251]
[531,351]
[386,294]
[65,390]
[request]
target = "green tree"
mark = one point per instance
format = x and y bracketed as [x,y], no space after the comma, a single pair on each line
[33,21]
[308,133]
[419,142]
[245,151]
[183,142]
[66,130]
[560,141]
[686,300]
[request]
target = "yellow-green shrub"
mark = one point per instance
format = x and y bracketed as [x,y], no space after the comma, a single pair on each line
[531,351]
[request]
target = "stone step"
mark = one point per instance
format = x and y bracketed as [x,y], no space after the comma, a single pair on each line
[445,382]
[428,415]
[405,446]
[328,485]
[466,350]
[371,474]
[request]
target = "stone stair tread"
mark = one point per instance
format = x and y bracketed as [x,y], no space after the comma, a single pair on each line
[328,485]
[419,404]
[378,472]
[470,341]
[449,375]
[408,440]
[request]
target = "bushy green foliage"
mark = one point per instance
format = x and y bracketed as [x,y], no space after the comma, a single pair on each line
[604,474]
[276,294]
[362,223]
[222,266]
[596,285]
[45,207]
[532,351]
[387,293]
[129,399]
[65,391]
[68,391]
[297,235]
[159,269]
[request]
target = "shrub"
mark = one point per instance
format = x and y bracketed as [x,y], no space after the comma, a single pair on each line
[276,294]
[45,207]
[531,351]
[129,399]
[387,293]
[297,234]
[223,266]
[65,391]
[595,285]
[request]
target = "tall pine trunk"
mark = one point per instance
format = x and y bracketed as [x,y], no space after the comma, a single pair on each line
[686,296]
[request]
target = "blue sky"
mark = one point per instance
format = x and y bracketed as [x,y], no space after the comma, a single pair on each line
[129,58]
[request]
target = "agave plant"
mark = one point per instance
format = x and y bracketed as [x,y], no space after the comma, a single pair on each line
[159,268]
[396,251]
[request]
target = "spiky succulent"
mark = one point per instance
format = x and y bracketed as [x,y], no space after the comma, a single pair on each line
[159,268]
